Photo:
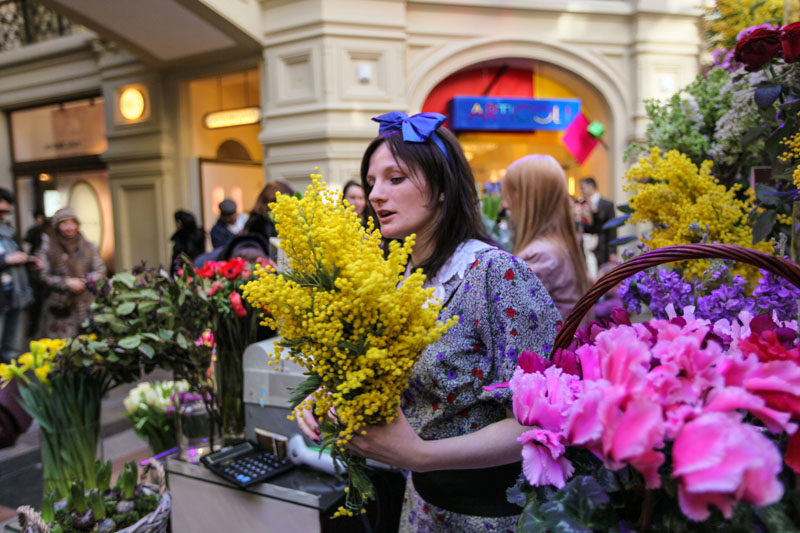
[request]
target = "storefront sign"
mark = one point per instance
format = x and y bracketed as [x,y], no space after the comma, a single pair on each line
[512,114]
[63,130]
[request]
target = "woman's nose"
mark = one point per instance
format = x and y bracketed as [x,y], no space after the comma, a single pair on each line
[378,194]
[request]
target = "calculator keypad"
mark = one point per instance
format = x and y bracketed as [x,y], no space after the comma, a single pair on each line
[254,467]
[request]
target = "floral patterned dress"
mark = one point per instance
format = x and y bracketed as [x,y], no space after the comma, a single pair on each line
[503,309]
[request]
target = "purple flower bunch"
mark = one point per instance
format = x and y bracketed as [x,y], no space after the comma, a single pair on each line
[656,290]
[773,293]
[726,301]
[660,287]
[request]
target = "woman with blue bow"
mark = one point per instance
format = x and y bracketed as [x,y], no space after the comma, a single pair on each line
[458,440]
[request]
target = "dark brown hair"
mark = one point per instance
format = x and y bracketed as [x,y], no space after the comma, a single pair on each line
[459,217]
[267,196]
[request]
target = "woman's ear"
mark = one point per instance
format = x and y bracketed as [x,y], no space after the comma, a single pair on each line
[441,197]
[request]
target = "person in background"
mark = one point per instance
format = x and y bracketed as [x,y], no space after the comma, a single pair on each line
[600,212]
[16,293]
[540,210]
[188,239]
[68,262]
[260,220]
[354,194]
[34,234]
[458,440]
[34,238]
[229,224]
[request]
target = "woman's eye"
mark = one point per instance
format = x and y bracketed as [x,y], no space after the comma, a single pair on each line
[397,179]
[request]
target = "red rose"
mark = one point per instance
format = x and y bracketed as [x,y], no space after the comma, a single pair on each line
[435,406]
[511,313]
[477,372]
[451,397]
[510,275]
[757,48]
[236,302]
[790,42]
[514,332]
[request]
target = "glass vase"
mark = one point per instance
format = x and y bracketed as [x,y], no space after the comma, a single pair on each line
[193,428]
[229,381]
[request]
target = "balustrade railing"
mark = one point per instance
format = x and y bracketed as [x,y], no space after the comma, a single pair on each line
[24,22]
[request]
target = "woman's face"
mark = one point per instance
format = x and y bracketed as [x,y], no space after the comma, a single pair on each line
[68,228]
[355,195]
[400,199]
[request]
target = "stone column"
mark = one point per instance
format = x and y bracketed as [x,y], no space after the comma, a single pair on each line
[330,65]
[140,161]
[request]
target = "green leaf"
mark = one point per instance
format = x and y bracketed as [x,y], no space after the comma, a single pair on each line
[165,334]
[131,342]
[126,278]
[299,393]
[181,340]
[147,306]
[48,508]
[77,497]
[530,520]
[147,350]
[766,194]
[104,475]
[752,135]
[625,208]
[98,505]
[125,308]
[764,224]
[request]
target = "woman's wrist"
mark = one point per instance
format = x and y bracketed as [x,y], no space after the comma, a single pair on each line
[421,456]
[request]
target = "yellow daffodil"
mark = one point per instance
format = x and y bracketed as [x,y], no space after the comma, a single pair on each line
[41,372]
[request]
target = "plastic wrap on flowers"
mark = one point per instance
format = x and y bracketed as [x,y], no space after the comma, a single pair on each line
[677,424]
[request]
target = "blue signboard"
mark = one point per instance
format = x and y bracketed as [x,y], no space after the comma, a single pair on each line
[512,114]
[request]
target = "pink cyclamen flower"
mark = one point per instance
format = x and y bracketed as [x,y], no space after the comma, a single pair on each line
[543,461]
[633,430]
[542,399]
[718,460]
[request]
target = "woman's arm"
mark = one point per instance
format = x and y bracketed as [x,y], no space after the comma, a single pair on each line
[399,445]
[47,276]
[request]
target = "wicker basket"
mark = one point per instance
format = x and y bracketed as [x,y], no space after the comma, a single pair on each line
[156,522]
[781,267]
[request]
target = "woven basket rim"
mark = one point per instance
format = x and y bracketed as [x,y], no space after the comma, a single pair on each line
[779,266]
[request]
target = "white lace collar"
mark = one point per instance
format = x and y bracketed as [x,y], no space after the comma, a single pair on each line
[456,265]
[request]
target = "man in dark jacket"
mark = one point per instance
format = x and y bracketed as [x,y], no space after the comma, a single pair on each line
[228,225]
[15,291]
[602,212]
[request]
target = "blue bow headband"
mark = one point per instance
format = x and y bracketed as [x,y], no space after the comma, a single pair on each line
[415,129]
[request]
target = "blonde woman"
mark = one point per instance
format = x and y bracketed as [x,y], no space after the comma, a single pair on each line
[540,211]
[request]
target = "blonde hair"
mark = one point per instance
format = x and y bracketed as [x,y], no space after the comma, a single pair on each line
[535,187]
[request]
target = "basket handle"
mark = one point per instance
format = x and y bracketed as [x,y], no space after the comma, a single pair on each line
[28,517]
[788,270]
[156,470]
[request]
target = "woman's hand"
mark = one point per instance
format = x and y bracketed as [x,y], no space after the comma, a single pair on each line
[75,284]
[395,444]
[306,420]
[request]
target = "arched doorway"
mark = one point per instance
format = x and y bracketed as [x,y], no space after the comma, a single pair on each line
[520,80]
[555,70]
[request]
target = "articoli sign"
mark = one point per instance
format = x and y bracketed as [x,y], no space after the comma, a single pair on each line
[512,114]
